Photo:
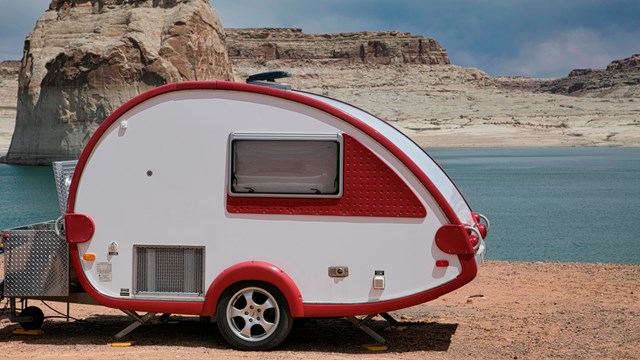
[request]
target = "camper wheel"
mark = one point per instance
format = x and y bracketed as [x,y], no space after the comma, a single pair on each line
[35,313]
[253,316]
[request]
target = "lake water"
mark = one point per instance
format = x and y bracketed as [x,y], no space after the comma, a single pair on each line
[558,204]
[27,195]
[553,204]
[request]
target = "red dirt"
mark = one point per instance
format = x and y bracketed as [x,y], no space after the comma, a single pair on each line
[512,310]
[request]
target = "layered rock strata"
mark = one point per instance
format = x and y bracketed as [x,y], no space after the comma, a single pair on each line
[85,58]
[8,91]
[392,47]
[621,79]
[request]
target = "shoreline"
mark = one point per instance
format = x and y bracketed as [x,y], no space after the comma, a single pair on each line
[435,140]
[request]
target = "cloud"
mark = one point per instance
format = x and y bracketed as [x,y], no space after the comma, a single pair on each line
[17,19]
[535,38]
[560,53]
[325,16]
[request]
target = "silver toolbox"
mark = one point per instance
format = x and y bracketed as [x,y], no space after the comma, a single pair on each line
[36,262]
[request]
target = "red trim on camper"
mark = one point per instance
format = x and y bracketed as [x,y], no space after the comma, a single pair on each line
[469,268]
[80,228]
[370,188]
[254,271]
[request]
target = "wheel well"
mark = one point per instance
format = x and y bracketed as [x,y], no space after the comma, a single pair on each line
[254,271]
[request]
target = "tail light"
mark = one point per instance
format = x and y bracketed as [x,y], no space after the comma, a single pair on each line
[483,224]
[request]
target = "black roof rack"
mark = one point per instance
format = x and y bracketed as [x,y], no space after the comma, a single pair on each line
[269,79]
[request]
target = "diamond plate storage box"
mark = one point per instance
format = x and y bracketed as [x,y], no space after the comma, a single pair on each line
[36,263]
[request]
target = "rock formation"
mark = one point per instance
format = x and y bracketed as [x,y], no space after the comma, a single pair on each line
[629,64]
[87,57]
[621,79]
[8,91]
[9,68]
[392,47]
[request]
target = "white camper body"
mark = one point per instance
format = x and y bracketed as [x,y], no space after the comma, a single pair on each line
[197,194]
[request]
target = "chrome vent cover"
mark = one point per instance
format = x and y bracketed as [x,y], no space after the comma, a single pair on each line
[168,270]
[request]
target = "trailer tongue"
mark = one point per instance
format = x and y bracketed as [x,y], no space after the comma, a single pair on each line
[273,204]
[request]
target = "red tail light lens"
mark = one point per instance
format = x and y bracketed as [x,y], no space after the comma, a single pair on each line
[483,230]
[473,240]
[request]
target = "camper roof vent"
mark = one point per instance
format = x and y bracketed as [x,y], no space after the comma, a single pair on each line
[269,79]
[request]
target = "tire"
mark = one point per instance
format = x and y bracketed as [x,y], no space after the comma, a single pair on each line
[253,316]
[36,314]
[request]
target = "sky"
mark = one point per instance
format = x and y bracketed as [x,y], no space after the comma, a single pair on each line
[536,38]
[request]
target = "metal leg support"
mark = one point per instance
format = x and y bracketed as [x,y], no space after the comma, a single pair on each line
[139,320]
[390,319]
[164,318]
[362,325]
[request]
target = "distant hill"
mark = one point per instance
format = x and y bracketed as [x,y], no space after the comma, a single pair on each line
[621,79]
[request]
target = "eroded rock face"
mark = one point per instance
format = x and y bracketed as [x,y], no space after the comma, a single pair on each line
[629,64]
[621,79]
[392,47]
[85,58]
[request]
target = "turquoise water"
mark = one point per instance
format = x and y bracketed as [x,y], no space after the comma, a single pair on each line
[27,195]
[559,204]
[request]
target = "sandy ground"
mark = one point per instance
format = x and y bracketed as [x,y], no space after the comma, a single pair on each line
[510,311]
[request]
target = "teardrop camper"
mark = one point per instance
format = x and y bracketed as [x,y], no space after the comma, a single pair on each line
[254,205]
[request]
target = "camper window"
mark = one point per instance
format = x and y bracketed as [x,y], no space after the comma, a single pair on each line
[286,165]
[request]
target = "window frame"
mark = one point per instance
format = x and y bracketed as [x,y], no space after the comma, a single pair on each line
[336,138]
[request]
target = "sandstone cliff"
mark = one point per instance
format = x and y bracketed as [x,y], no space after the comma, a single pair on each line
[392,47]
[8,91]
[87,57]
[621,79]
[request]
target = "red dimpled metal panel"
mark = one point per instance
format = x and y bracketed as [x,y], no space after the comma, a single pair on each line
[370,188]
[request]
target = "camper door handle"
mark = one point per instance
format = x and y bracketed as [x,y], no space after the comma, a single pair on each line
[57,226]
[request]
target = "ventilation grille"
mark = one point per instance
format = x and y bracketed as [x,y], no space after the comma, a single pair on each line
[169,270]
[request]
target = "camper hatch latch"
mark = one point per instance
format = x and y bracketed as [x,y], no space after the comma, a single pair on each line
[378,280]
[338,271]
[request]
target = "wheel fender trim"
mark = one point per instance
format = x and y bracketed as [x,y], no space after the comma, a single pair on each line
[254,271]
